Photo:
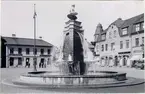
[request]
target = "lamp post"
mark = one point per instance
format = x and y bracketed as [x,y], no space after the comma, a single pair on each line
[34,17]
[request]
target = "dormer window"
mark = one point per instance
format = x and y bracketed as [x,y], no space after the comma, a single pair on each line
[137,27]
[103,37]
[142,26]
[124,31]
[96,37]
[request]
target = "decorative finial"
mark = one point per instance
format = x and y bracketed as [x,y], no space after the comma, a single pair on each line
[72,9]
[72,14]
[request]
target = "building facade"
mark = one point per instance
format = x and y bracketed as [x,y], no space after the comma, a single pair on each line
[122,41]
[19,52]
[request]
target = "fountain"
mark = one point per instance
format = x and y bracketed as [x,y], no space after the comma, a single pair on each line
[73,63]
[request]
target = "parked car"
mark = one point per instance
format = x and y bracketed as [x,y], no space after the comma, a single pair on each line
[139,64]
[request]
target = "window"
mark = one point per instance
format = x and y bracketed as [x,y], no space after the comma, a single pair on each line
[112,46]
[142,26]
[48,51]
[106,47]
[97,48]
[42,51]
[121,44]
[19,61]
[102,47]
[142,40]
[27,51]
[124,31]
[137,27]
[11,50]
[127,43]
[112,27]
[19,50]
[136,41]
[114,33]
[110,35]
[96,37]
[103,37]
[35,51]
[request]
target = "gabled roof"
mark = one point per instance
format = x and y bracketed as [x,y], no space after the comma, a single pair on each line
[141,19]
[25,41]
[118,22]
[132,20]
[122,24]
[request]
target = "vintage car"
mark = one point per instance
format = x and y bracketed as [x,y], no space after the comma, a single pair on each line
[139,64]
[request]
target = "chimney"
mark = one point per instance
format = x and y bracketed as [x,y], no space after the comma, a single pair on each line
[119,19]
[13,35]
[40,37]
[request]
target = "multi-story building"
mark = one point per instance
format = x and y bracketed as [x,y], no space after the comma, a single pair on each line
[123,39]
[19,52]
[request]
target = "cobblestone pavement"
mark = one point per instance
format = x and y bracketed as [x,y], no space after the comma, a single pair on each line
[7,73]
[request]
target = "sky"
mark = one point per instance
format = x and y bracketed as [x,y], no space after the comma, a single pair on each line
[17,17]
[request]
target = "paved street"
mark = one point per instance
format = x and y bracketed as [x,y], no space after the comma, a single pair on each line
[15,72]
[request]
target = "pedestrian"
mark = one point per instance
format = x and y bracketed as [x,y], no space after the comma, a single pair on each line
[111,62]
[128,62]
[106,61]
[40,64]
[121,62]
[27,63]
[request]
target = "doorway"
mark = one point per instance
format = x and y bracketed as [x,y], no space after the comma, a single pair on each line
[19,61]
[11,61]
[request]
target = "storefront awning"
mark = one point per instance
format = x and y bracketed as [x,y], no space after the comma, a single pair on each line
[127,52]
[136,57]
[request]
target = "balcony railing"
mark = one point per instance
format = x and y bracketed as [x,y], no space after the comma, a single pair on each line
[12,54]
[43,55]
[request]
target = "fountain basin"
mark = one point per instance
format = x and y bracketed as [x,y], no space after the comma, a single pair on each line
[92,78]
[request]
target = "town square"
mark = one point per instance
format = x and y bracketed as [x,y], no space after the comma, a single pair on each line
[72,47]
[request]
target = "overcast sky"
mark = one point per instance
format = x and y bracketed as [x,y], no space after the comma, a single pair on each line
[17,16]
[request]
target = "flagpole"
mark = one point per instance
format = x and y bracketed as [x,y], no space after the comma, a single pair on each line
[34,17]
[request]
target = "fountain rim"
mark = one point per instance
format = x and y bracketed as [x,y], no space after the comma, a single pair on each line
[110,74]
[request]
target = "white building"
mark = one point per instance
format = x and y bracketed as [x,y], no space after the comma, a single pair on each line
[19,52]
[123,39]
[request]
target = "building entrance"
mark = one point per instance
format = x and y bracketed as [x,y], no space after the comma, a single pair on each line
[11,61]
[19,61]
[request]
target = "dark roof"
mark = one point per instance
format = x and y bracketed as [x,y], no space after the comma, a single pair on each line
[122,24]
[25,41]
[118,22]
[132,20]
[141,19]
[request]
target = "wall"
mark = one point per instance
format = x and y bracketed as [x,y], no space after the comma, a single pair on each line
[116,39]
[137,50]
[24,55]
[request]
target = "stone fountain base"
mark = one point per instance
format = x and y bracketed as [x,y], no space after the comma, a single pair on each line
[99,79]
[46,78]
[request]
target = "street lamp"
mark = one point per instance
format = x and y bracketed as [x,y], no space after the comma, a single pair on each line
[34,17]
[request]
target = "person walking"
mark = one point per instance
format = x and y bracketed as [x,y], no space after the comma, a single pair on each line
[121,62]
[27,63]
[128,62]
[40,64]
